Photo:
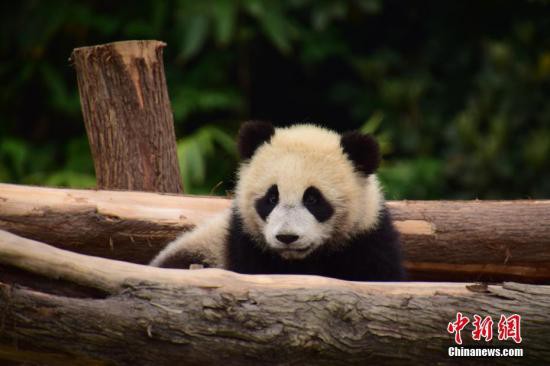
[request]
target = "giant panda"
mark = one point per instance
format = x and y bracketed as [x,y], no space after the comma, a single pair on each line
[307,201]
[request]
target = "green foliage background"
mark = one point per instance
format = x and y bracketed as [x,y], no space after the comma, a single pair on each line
[456,91]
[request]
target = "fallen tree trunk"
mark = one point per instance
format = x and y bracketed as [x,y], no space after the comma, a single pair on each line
[442,240]
[130,226]
[160,316]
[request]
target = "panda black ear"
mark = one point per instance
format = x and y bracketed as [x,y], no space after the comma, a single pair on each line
[252,134]
[362,150]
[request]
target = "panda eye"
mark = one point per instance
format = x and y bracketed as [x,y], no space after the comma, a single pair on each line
[310,200]
[267,202]
[312,197]
[317,204]
[272,195]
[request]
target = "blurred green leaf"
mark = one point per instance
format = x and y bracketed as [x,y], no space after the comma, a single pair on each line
[412,179]
[273,21]
[188,100]
[69,179]
[58,93]
[225,16]
[373,123]
[206,144]
[15,153]
[460,108]
[191,162]
[195,32]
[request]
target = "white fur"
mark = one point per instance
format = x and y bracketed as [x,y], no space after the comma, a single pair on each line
[294,219]
[207,240]
[296,158]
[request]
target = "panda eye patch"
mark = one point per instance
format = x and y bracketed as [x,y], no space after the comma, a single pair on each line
[310,199]
[316,203]
[267,202]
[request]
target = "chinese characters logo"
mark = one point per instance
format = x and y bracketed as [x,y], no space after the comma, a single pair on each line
[508,327]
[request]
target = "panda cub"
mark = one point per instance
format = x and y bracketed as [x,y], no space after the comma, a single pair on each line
[307,201]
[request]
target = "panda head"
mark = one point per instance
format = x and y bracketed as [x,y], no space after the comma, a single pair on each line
[304,187]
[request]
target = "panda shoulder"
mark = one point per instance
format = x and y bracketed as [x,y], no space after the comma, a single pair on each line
[205,244]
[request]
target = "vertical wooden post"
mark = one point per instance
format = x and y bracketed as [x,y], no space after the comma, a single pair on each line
[128,117]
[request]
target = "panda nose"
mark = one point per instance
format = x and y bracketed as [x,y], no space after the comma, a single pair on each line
[287,238]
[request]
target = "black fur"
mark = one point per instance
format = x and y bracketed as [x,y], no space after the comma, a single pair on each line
[316,203]
[368,256]
[267,203]
[362,150]
[252,135]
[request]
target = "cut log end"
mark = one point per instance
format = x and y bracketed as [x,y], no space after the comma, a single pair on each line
[135,48]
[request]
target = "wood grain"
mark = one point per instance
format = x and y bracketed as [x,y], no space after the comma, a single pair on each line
[128,117]
[131,226]
[442,240]
[211,316]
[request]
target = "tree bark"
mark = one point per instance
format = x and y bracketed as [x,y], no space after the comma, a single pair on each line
[127,114]
[442,241]
[211,316]
[130,226]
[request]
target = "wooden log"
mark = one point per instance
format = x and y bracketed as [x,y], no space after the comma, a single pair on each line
[211,316]
[130,226]
[128,117]
[442,241]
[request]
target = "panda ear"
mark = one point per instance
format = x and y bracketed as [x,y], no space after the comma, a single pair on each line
[362,150]
[252,134]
